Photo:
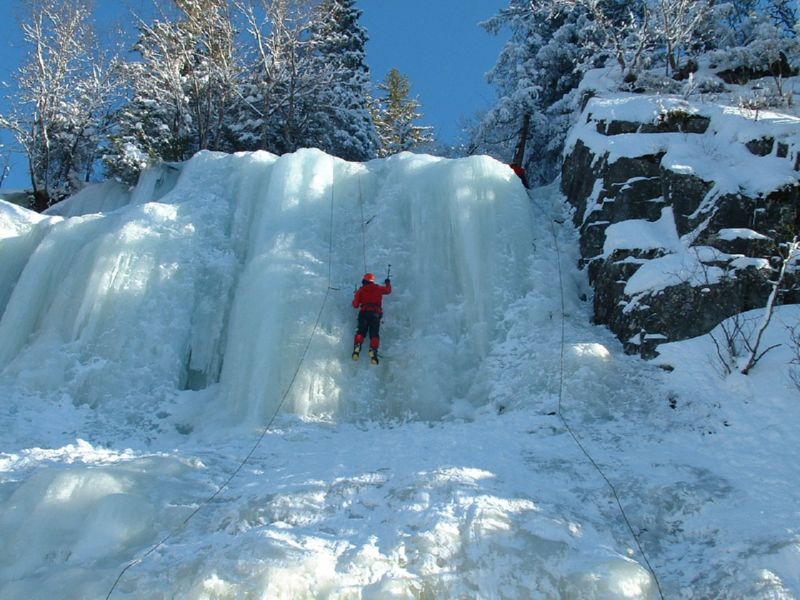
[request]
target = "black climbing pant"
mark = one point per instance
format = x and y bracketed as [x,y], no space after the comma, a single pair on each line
[369,321]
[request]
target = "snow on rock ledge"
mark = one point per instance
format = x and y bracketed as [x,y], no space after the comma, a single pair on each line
[680,206]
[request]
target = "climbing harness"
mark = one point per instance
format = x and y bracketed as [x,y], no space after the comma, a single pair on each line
[264,430]
[566,424]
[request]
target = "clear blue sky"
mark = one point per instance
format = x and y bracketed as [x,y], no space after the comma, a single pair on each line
[440,47]
[436,43]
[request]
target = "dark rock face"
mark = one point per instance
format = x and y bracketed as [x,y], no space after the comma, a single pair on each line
[578,177]
[683,73]
[685,193]
[749,247]
[630,188]
[733,236]
[743,74]
[672,122]
[761,147]
[683,311]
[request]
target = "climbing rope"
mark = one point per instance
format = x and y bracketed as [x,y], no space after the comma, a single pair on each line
[264,430]
[363,224]
[566,424]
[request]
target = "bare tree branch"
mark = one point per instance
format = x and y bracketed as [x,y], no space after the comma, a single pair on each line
[793,250]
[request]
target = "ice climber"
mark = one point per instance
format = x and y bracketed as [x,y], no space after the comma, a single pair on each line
[368,299]
[520,171]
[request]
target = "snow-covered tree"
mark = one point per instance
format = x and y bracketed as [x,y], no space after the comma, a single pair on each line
[550,47]
[681,27]
[395,114]
[341,123]
[183,88]
[5,163]
[307,81]
[554,42]
[733,16]
[281,81]
[638,34]
[786,15]
[624,30]
[760,48]
[214,72]
[67,87]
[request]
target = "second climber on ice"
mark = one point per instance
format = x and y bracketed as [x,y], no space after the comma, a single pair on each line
[368,300]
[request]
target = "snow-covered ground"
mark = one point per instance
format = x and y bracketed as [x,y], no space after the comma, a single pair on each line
[145,350]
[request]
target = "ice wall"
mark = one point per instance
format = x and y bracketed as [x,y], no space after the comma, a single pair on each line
[218,284]
[154,183]
[20,232]
[108,305]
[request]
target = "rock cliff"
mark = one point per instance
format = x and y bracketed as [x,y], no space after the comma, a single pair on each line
[683,209]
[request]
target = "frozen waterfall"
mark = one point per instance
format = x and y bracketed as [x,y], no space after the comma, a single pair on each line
[218,282]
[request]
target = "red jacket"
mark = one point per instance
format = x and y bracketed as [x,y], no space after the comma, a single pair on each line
[370,297]
[520,171]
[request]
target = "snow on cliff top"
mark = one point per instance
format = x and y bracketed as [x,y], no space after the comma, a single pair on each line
[719,155]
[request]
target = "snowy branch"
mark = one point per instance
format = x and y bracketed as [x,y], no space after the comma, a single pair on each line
[792,253]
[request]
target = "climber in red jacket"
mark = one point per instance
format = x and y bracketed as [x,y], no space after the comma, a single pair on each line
[369,299]
[520,171]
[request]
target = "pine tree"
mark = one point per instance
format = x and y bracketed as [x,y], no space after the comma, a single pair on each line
[155,124]
[341,123]
[395,115]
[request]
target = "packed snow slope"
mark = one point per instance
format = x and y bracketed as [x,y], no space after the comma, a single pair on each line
[152,340]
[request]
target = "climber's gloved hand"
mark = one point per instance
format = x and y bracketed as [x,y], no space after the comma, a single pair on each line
[387,281]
